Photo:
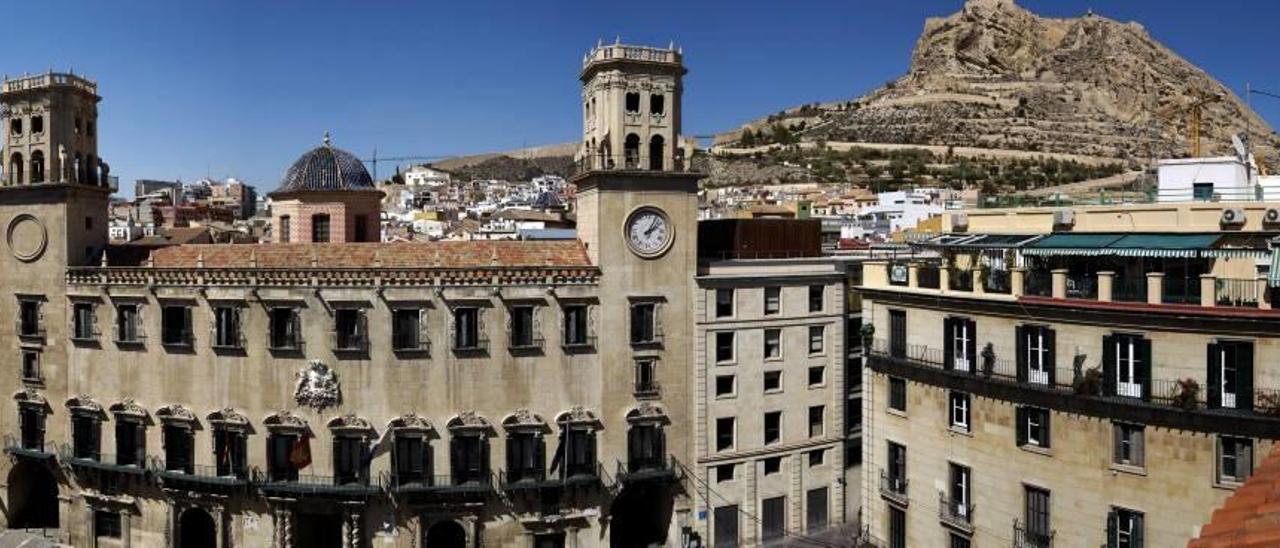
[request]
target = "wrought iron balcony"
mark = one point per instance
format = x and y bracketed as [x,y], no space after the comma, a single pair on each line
[319,485]
[422,483]
[957,514]
[31,449]
[893,488]
[1025,537]
[638,468]
[197,474]
[125,464]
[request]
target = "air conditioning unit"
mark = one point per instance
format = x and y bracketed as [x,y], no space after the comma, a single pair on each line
[1064,219]
[1272,216]
[959,222]
[1233,216]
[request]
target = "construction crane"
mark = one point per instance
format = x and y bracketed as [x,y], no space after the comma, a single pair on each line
[1195,118]
[374,161]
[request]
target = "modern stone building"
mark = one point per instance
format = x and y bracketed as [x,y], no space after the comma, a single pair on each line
[325,391]
[1097,376]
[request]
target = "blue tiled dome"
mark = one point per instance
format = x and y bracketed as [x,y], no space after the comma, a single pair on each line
[326,168]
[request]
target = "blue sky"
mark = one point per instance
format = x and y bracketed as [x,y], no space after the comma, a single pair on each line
[238,88]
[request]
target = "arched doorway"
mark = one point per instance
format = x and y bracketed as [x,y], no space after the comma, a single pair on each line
[37,167]
[631,151]
[446,534]
[197,529]
[15,169]
[640,516]
[33,497]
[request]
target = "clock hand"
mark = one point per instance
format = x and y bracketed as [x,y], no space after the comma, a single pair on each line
[652,225]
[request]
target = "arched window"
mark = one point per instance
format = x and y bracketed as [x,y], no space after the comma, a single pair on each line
[15,169]
[657,150]
[37,167]
[285,227]
[320,228]
[631,151]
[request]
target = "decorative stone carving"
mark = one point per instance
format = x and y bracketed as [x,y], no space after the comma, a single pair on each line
[229,417]
[350,422]
[523,417]
[412,422]
[317,387]
[84,404]
[27,237]
[647,411]
[176,413]
[468,420]
[29,396]
[578,415]
[128,407]
[284,419]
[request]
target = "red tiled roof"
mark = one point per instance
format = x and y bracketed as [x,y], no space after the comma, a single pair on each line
[467,254]
[1250,518]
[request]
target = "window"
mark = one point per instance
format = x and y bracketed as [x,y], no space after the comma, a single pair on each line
[580,450]
[817,457]
[817,376]
[1126,364]
[646,377]
[280,446]
[286,328]
[466,328]
[31,365]
[817,420]
[773,523]
[406,329]
[772,427]
[350,330]
[178,448]
[958,495]
[816,509]
[646,446]
[960,351]
[576,326]
[320,228]
[128,324]
[724,346]
[1128,444]
[898,394]
[898,333]
[1202,192]
[725,386]
[772,344]
[657,104]
[959,541]
[469,454]
[350,462]
[724,303]
[816,298]
[1033,427]
[131,441]
[523,331]
[31,422]
[86,436]
[29,319]
[897,468]
[726,527]
[960,410]
[1035,359]
[772,465]
[175,325]
[632,100]
[1235,459]
[411,459]
[644,323]
[724,472]
[83,322]
[526,456]
[37,124]
[230,451]
[1124,529]
[15,126]
[724,433]
[897,527]
[1037,533]
[817,338]
[226,327]
[772,381]
[107,524]
[772,300]
[285,228]
[361,228]
[1230,378]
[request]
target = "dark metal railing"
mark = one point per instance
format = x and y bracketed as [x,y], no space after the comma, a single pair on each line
[204,471]
[176,337]
[893,487]
[1038,283]
[647,388]
[1236,292]
[1082,287]
[954,512]
[1130,289]
[1025,537]
[1180,290]
[996,281]
[960,280]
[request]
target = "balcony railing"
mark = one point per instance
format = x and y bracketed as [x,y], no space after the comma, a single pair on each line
[958,514]
[1180,290]
[410,343]
[313,484]
[198,473]
[584,343]
[639,468]
[1131,289]
[15,445]
[176,337]
[1236,292]
[537,479]
[996,281]
[960,280]
[127,464]
[647,388]
[1025,537]
[1082,287]
[893,488]
[1038,283]
[427,483]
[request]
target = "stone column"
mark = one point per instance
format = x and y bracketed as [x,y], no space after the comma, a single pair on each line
[1059,283]
[1208,290]
[352,533]
[1155,287]
[282,518]
[913,275]
[1017,281]
[1105,280]
[944,278]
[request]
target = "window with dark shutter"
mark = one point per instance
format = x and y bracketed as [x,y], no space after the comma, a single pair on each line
[178,449]
[726,527]
[85,436]
[897,394]
[279,466]
[773,522]
[898,333]
[816,501]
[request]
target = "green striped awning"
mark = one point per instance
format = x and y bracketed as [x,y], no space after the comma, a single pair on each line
[1072,244]
[1130,245]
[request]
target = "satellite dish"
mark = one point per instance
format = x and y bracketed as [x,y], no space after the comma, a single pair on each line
[1241,151]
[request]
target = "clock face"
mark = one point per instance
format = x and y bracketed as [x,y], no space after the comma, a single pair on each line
[648,232]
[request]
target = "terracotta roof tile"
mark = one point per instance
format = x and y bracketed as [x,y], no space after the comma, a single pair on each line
[446,254]
[1251,516]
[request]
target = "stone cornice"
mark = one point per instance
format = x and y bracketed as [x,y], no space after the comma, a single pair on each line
[331,277]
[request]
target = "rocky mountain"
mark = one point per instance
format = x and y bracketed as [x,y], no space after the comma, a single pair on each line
[995,75]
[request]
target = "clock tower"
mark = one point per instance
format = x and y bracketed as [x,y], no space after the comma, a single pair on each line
[637,216]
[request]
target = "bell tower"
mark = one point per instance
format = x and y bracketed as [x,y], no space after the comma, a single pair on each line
[631,108]
[50,125]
